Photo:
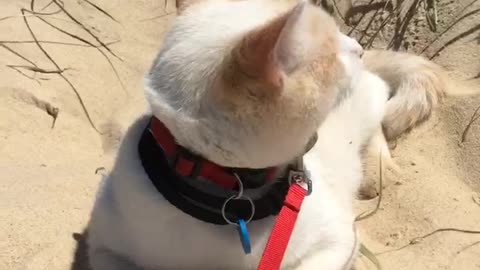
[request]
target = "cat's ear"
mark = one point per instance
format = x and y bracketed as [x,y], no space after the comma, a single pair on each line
[284,44]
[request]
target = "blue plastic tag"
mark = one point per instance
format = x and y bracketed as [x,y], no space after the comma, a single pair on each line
[244,237]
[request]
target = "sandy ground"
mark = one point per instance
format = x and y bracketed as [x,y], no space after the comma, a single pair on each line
[48,175]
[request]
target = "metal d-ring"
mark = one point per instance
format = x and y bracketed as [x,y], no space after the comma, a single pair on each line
[240,187]
[238,197]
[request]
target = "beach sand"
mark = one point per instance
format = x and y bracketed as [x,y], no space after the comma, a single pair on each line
[49,176]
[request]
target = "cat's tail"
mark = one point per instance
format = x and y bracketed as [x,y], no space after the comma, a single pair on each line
[417,86]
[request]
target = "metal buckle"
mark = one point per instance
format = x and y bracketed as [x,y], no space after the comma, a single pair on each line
[300,178]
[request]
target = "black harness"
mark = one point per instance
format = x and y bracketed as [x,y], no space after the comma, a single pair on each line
[203,200]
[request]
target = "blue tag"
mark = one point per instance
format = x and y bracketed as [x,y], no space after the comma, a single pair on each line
[244,237]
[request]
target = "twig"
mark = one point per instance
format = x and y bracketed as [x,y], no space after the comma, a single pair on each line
[475,117]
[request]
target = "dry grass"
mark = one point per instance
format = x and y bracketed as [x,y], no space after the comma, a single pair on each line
[367,21]
[43,14]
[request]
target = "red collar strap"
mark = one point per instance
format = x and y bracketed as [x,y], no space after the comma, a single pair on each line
[190,165]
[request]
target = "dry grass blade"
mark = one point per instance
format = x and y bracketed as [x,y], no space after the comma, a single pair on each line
[455,39]
[475,117]
[419,239]
[51,42]
[373,19]
[468,247]
[431,14]
[117,75]
[17,54]
[80,99]
[374,36]
[37,69]
[367,253]
[101,10]
[461,18]
[359,21]
[157,17]
[85,29]
[25,75]
[365,31]
[32,8]
[334,2]
[363,249]
[402,26]
[46,6]
[368,214]
[8,17]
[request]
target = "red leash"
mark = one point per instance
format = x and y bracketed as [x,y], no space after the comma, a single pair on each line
[283,228]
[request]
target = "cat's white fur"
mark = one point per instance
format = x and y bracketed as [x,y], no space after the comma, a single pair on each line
[133,227]
[133,222]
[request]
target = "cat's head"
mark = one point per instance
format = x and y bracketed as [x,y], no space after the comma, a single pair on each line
[247,83]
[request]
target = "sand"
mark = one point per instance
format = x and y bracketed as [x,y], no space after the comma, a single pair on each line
[49,176]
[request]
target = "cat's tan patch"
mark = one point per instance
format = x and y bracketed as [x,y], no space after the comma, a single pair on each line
[327,69]
[254,58]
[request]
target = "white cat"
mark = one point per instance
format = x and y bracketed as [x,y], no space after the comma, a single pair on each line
[246,84]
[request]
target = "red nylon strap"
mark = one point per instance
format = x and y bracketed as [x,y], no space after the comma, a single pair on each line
[208,170]
[282,230]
